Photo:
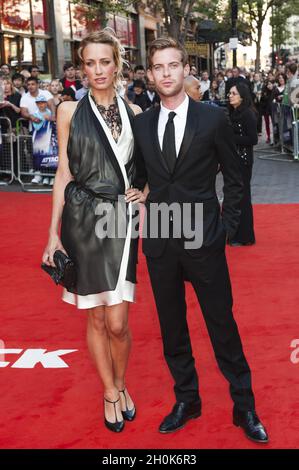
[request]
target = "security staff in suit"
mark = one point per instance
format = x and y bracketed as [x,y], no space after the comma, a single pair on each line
[179,147]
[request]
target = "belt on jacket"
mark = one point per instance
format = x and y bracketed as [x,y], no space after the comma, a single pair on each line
[90,192]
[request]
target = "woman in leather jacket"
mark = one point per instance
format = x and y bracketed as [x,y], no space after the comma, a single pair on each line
[94,178]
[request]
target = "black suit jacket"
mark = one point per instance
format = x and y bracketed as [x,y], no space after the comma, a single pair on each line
[208,141]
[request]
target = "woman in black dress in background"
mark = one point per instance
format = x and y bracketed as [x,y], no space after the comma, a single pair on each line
[96,167]
[244,121]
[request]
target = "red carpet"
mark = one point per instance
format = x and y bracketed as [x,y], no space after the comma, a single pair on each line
[62,407]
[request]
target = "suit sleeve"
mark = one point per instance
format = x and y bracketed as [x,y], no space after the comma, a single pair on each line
[140,178]
[230,167]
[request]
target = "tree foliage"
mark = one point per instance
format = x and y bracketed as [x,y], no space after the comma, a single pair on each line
[256,11]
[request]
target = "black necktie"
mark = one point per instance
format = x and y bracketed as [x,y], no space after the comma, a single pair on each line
[168,147]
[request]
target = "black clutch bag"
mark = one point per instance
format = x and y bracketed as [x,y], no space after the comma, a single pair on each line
[64,272]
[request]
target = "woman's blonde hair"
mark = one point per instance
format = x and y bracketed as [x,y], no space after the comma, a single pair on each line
[9,80]
[106,36]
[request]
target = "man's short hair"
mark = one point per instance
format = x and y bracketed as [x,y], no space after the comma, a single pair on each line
[139,67]
[69,92]
[166,43]
[138,84]
[7,65]
[68,65]
[33,79]
[292,68]
[17,75]
[31,67]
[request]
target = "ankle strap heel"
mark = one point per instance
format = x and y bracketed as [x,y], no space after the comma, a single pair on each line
[128,415]
[118,426]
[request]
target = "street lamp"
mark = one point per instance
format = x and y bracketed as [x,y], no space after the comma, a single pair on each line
[234,14]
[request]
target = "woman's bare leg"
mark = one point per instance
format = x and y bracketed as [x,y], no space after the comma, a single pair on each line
[120,344]
[98,342]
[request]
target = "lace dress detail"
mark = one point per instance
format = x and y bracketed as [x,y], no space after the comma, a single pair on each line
[111,116]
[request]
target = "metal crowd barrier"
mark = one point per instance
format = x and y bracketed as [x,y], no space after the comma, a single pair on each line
[26,172]
[221,103]
[7,139]
[286,129]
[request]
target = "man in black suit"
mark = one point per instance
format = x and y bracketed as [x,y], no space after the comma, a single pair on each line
[236,78]
[179,146]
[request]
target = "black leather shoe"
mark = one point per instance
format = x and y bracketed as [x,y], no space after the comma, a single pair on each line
[179,416]
[117,426]
[128,415]
[251,425]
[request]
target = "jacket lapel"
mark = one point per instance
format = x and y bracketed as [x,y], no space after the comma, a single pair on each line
[131,116]
[190,129]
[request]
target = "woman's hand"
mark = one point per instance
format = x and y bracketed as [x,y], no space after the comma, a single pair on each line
[135,195]
[54,244]
[5,104]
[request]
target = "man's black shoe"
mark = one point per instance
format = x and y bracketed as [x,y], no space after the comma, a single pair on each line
[251,425]
[179,416]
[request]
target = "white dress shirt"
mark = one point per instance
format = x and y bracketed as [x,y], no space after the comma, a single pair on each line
[204,85]
[179,121]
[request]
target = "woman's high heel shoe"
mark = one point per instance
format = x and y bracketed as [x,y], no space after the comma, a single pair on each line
[118,426]
[128,415]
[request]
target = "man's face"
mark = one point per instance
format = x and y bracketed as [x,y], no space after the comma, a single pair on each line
[236,73]
[151,86]
[205,76]
[18,83]
[32,86]
[140,75]
[66,98]
[138,90]
[194,90]
[78,74]
[5,69]
[85,82]
[70,74]
[167,71]
[34,72]
[257,77]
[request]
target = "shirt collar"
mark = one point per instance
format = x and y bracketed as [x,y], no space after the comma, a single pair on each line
[181,110]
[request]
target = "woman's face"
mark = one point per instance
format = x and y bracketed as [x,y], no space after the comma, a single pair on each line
[234,97]
[214,85]
[7,88]
[281,80]
[99,66]
[54,87]
[270,86]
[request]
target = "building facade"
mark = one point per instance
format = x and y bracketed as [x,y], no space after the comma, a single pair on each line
[48,32]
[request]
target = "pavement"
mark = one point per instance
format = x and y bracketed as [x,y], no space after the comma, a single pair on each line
[275,178]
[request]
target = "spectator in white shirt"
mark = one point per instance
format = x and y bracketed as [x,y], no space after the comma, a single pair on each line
[28,104]
[82,91]
[29,108]
[205,83]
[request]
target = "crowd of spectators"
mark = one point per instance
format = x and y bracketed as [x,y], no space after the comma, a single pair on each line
[20,93]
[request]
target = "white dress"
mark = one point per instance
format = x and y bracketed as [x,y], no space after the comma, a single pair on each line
[123,149]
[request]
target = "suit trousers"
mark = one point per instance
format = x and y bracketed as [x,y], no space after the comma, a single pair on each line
[207,271]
